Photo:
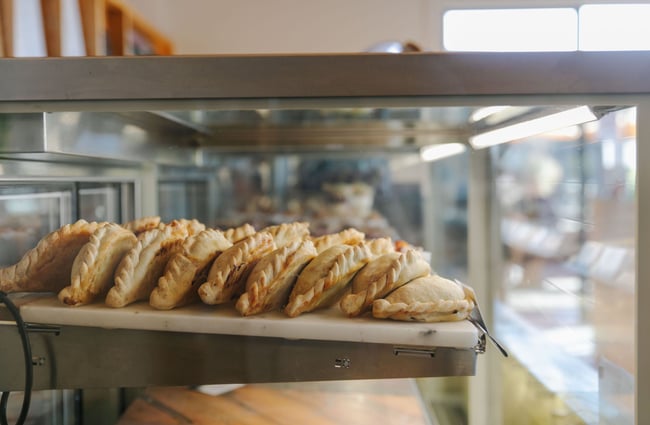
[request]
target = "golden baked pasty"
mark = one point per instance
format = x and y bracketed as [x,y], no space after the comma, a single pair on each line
[381,276]
[378,246]
[187,268]
[235,234]
[143,224]
[47,267]
[324,279]
[94,266]
[270,282]
[227,277]
[349,236]
[185,226]
[138,272]
[426,299]
[285,233]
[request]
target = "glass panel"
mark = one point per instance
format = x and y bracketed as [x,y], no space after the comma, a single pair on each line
[566,306]
[28,213]
[100,202]
[376,194]
[510,30]
[183,199]
[318,130]
[448,202]
[47,407]
[567,216]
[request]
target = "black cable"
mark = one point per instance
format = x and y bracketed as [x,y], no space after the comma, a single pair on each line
[29,372]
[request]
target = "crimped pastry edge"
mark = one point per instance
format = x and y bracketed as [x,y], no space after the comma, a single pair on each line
[354,304]
[358,255]
[285,260]
[436,311]
[243,252]
[348,236]
[76,293]
[236,234]
[11,277]
[184,267]
[286,233]
[146,248]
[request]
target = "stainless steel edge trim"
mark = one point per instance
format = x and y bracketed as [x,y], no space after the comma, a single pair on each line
[333,75]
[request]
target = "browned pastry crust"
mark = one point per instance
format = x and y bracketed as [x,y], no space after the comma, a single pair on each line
[47,267]
[381,276]
[187,269]
[285,233]
[139,271]
[426,299]
[272,279]
[325,278]
[345,237]
[235,234]
[143,224]
[94,266]
[185,226]
[228,274]
[379,246]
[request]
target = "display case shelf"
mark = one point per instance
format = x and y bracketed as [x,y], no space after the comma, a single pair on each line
[96,346]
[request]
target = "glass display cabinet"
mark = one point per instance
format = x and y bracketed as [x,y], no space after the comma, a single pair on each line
[515,173]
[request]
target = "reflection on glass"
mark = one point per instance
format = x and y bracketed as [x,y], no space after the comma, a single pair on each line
[183,199]
[26,215]
[379,196]
[566,303]
[100,204]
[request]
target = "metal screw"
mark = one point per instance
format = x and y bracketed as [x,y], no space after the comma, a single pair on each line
[38,361]
[342,363]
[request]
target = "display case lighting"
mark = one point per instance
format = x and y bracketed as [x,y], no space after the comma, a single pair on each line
[443,150]
[539,125]
[488,111]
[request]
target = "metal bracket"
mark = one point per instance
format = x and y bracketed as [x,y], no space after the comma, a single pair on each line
[481,346]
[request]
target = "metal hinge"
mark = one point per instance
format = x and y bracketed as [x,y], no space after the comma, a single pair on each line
[38,328]
[481,345]
[414,351]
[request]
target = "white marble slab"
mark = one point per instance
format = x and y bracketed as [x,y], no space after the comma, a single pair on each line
[327,325]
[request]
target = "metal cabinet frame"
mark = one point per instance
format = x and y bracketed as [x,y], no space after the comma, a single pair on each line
[370,80]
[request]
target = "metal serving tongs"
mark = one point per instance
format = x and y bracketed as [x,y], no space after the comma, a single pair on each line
[476,319]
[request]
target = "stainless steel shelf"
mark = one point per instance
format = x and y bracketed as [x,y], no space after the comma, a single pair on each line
[106,137]
[89,357]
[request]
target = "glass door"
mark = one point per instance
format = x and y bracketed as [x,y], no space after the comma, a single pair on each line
[30,210]
[565,305]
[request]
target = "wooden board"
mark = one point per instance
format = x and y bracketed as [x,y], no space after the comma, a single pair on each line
[379,402]
[328,325]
